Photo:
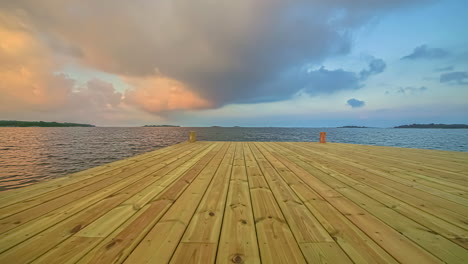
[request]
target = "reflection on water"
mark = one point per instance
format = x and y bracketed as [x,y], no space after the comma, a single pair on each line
[28,155]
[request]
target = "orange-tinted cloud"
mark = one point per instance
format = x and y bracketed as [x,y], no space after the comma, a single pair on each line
[159,94]
[209,53]
[224,51]
[31,84]
[26,73]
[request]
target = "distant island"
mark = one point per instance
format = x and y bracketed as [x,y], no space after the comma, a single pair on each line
[15,123]
[353,127]
[160,126]
[432,125]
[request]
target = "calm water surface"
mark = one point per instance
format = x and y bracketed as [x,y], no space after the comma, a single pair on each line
[29,155]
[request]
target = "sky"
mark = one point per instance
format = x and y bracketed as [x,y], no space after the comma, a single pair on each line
[297,63]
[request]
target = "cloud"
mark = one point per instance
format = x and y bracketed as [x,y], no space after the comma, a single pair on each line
[448,68]
[376,66]
[355,103]
[329,81]
[424,52]
[411,90]
[32,87]
[236,61]
[173,56]
[159,94]
[457,78]
[27,76]
[96,94]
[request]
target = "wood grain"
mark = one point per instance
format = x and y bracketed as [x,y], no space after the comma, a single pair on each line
[247,202]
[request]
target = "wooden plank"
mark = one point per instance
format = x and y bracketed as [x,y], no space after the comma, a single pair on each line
[444,209]
[428,239]
[276,241]
[238,241]
[394,163]
[307,230]
[399,152]
[436,224]
[72,192]
[100,228]
[457,161]
[392,241]
[117,246]
[444,189]
[195,253]
[431,233]
[28,230]
[204,227]
[357,245]
[41,243]
[68,253]
[415,175]
[206,223]
[23,231]
[161,241]
[439,206]
[105,225]
[303,224]
[324,252]
[212,202]
[410,163]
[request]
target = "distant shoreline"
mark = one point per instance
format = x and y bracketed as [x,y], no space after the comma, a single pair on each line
[444,126]
[160,126]
[15,123]
[353,127]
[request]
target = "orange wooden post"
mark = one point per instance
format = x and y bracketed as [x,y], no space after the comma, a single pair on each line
[323,137]
[192,136]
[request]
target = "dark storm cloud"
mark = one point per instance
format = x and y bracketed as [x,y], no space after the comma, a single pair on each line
[355,103]
[457,78]
[223,51]
[424,52]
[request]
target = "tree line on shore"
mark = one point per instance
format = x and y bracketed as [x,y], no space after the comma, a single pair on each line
[15,123]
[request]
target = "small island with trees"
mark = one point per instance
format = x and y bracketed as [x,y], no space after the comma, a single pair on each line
[353,127]
[432,125]
[15,123]
[160,126]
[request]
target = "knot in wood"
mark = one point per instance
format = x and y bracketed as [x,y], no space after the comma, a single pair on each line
[113,243]
[211,214]
[237,259]
[75,229]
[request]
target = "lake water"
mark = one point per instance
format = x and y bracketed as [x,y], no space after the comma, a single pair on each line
[29,155]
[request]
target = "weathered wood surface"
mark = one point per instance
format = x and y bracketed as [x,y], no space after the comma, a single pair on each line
[247,202]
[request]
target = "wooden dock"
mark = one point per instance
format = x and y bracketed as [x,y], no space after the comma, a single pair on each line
[253,202]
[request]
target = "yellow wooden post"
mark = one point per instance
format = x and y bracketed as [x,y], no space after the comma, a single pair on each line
[323,137]
[192,136]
